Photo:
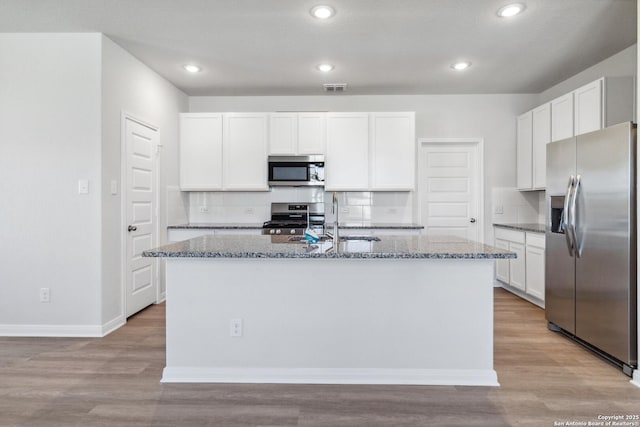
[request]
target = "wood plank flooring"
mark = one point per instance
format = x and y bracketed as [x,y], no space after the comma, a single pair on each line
[114,381]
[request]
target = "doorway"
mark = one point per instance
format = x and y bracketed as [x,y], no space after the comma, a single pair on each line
[140,147]
[450,187]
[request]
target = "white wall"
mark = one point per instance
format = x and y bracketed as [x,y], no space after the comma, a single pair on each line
[130,86]
[491,117]
[621,64]
[49,138]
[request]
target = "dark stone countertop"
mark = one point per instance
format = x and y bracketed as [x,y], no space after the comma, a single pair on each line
[525,226]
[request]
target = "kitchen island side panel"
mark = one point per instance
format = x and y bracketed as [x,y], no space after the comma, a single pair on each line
[392,321]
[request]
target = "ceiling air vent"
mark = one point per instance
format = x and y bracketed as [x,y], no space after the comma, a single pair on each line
[334,87]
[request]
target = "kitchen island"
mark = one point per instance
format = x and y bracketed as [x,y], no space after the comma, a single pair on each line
[403,310]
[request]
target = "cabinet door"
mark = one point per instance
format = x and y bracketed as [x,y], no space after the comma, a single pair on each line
[311,133]
[502,265]
[283,133]
[588,108]
[200,151]
[245,151]
[562,117]
[393,151]
[535,272]
[523,152]
[347,155]
[517,267]
[541,136]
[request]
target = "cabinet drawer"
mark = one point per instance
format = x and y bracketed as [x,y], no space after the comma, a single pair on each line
[510,235]
[535,239]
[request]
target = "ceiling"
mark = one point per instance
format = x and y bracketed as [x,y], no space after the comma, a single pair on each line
[272,47]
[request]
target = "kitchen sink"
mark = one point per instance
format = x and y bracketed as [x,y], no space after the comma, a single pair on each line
[323,238]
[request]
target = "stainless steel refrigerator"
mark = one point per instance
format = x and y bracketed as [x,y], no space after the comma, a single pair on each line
[590,269]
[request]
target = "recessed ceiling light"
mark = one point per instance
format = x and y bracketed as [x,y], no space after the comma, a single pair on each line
[322,12]
[192,68]
[510,10]
[462,65]
[325,67]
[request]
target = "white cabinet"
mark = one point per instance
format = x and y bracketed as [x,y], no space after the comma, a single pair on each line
[562,117]
[540,136]
[245,152]
[200,152]
[297,133]
[392,151]
[347,155]
[535,265]
[370,152]
[588,108]
[223,152]
[524,141]
[525,274]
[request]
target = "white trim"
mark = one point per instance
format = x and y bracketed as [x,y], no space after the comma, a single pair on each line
[463,377]
[124,116]
[113,324]
[479,142]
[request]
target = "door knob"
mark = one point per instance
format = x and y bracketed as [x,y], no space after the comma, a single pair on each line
[472,220]
[132,228]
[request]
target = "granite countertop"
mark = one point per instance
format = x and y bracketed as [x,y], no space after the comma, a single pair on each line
[217,225]
[379,225]
[406,247]
[524,226]
[238,226]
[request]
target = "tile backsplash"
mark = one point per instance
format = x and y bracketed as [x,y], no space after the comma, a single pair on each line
[509,205]
[255,207]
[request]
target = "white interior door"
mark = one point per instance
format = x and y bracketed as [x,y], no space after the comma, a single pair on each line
[140,206]
[450,188]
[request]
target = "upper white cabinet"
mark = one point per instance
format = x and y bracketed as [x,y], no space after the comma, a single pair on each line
[588,109]
[347,152]
[524,142]
[297,133]
[245,151]
[200,151]
[540,137]
[562,117]
[370,152]
[392,151]
[223,152]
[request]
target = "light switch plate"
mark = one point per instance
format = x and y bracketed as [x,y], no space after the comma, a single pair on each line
[114,187]
[83,186]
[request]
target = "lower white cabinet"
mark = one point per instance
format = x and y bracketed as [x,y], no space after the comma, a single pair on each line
[535,265]
[524,274]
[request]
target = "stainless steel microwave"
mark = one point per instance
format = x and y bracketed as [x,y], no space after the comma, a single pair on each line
[296,171]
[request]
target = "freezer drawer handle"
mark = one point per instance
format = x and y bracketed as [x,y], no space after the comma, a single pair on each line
[566,217]
[574,229]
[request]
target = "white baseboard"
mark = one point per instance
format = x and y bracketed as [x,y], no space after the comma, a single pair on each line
[84,331]
[462,377]
[112,325]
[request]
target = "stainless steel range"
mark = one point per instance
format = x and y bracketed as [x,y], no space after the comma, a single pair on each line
[293,218]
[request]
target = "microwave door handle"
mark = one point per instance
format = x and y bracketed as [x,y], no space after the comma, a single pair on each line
[566,217]
[574,226]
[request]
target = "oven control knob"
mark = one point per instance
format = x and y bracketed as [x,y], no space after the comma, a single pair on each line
[272,231]
[292,231]
[278,231]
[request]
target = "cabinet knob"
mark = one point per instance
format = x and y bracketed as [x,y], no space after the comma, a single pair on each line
[472,220]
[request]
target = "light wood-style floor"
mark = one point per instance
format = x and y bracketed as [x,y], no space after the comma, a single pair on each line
[114,381]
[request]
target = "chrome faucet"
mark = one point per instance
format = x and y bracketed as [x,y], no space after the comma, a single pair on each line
[335,209]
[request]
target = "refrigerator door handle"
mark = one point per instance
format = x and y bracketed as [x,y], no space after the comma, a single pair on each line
[566,217]
[573,226]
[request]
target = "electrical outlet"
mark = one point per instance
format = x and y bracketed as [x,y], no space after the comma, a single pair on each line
[235,327]
[204,209]
[45,295]
[344,209]
[249,211]
[499,209]
[392,210]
